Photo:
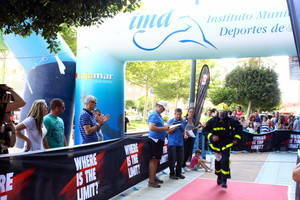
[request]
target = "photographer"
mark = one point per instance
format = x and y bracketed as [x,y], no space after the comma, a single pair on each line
[7,133]
[10,100]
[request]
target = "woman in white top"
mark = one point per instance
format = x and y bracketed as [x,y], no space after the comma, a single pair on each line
[33,124]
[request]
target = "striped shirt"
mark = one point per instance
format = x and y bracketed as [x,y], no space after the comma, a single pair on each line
[264,127]
[87,118]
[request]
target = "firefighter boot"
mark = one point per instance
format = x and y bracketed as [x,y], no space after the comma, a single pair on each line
[219,180]
[224,183]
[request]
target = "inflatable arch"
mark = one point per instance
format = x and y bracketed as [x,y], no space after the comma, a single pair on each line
[172,31]
[48,75]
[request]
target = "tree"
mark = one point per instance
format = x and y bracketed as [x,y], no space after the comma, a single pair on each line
[69,34]
[223,95]
[130,104]
[47,17]
[146,75]
[176,85]
[256,86]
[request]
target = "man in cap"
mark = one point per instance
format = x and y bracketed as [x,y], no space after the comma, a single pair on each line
[157,135]
[222,132]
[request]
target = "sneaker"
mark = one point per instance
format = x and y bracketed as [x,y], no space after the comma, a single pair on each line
[195,169]
[182,170]
[157,180]
[181,176]
[173,177]
[208,170]
[154,185]
[187,169]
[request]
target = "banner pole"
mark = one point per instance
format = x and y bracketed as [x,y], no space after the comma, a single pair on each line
[193,83]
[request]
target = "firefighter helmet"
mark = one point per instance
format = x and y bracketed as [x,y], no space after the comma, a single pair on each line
[222,107]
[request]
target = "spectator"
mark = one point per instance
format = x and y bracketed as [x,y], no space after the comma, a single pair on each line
[275,119]
[9,101]
[290,122]
[243,122]
[88,124]
[257,118]
[33,125]
[101,119]
[280,123]
[55,136]
[13,100]
[175,145]
[157,135]
[239,112]
[126,123]
[296,125]
[233,115]
[264,125]
[208,116]
[250,128]
[190,132]
[7,133]
[270,122]
[198,162]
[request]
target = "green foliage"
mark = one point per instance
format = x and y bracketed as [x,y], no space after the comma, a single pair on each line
[146,74]
[175,84]
[141,104]
[137,125]
[69,35]
[223,95]
[3,47]
[48,17]
[129,104]
[258,85]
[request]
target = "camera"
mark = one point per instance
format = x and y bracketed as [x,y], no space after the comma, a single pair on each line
[4,91]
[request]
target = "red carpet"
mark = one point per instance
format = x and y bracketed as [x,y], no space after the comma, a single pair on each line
[207,189]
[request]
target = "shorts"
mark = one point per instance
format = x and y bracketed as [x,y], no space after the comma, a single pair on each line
[156,149]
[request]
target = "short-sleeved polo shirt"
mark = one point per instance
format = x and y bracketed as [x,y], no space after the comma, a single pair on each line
[156,119]
[87,118]
[176,138]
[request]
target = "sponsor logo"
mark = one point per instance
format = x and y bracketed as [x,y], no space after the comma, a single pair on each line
[169,27]
[94,76]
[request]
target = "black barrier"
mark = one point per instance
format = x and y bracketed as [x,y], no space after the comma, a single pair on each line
[94,171]
[101,170]
[279,140]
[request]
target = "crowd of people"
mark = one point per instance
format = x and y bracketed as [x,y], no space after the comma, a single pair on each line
[44,129]
[263,122]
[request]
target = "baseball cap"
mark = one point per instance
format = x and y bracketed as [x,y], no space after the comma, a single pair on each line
[163,104]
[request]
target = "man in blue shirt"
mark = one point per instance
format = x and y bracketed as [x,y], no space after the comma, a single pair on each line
[175,145]
[88,123]
[296,125]
[157,135]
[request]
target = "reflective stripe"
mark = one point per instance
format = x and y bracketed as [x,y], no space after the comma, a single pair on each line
[219,129]
[238,136]
[214,148]
[209,135]
[223,172]
[227,146]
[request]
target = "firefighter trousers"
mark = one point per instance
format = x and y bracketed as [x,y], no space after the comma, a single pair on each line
[222,168]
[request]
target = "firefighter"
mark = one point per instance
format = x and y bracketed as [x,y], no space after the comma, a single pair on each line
[222,133]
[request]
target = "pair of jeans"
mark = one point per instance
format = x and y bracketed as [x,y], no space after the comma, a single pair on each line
[175,154]
[188,149]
